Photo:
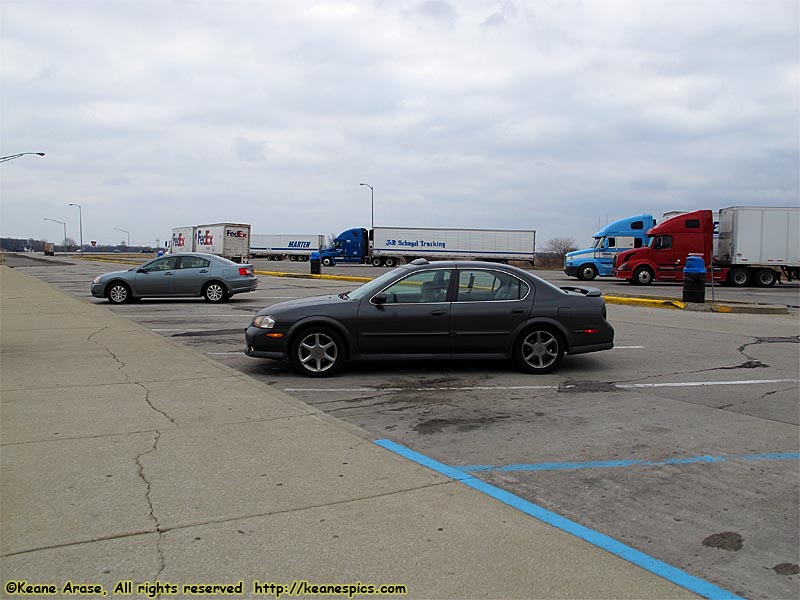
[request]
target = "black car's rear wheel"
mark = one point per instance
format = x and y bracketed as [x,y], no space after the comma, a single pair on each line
[118,293]
[215,292]
[539,350]
[318,352]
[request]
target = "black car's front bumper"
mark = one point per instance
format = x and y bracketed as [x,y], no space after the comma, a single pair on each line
[258,345]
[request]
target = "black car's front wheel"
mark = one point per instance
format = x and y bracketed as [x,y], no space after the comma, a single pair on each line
[539,350]
[318,352]
[118,293]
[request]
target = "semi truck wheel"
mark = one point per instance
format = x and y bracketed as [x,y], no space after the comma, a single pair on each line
[587,272]
[376,262]
[327,261]
[766,277]
[739,277]
[643,276]
[390,261]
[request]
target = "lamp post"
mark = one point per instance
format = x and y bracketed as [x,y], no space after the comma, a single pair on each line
[80,220]
[372,200]
[13,156]
[129,236]
[65,231]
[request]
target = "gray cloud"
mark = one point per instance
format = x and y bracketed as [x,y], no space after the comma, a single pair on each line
[549,116]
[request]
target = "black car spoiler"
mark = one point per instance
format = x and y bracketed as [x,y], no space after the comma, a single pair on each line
[586,291]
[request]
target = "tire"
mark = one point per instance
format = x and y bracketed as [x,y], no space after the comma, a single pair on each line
[327,261]
[376,262]
[118,293]
[317,352]
[587,272]
[215,292]
[539,350]
[642,276]
[390,261]
[292,258]
[739,277]
[766,277]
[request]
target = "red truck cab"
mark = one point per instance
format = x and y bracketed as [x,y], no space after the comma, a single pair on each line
[671,242]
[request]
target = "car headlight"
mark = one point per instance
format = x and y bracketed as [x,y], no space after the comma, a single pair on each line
[97,279]
[264,321]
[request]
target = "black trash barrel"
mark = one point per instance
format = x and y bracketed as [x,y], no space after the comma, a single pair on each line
[694,280]
[316,266]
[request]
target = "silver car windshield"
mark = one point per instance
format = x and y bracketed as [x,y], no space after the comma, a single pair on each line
[376,284]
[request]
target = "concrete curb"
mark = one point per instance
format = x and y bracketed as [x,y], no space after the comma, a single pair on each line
[652,303]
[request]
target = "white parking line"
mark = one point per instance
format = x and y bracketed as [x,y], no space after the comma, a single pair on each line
[626,347]
[539,387]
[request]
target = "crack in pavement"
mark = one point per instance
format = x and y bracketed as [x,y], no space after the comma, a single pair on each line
[159,550]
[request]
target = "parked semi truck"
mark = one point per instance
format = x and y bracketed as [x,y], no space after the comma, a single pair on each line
[229,240]
[386,246]
[279,246]
[755,245]
[623,234]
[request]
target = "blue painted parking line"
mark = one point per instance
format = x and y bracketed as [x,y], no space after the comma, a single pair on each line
[653,565]
[614,464]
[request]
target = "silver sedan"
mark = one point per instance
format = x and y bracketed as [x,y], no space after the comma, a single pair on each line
[179,275]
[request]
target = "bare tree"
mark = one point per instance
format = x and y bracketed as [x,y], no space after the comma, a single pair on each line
[560,246]
[552,256]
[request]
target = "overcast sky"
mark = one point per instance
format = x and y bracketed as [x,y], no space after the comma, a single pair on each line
[547,115]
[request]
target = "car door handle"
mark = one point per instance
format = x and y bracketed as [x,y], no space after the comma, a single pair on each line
[204,270]
[438,313]
[517,311]
[170,273]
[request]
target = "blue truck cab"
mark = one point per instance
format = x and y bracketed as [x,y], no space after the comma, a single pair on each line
[350,246]
[620,235]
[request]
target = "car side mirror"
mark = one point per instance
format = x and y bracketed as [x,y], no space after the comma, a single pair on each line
[142,271]
[379,298]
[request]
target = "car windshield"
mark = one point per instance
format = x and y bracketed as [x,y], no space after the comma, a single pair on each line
[597,242]
[376,284]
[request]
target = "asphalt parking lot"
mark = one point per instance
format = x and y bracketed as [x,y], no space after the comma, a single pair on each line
[681,442]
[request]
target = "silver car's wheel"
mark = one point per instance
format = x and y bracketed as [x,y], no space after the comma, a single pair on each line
[539,351]
[318,353]
[214,292]
[118,293]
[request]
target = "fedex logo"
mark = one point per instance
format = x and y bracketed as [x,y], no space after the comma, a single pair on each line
[237,234]
[205,239]
[299,244]
[178,241]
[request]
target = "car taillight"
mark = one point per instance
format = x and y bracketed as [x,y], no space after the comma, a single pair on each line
[245,271]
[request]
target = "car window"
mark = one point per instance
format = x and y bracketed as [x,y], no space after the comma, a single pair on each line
[163,264]
[478,285]
[193,262]
[422,286]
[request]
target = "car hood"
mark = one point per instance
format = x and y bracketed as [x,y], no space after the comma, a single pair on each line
[106,276]
[289,305]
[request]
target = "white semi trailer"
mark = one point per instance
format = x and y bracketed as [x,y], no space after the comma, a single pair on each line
[279,246]
[229,240]
[386,246]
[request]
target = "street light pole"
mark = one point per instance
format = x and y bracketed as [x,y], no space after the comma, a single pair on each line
[129,236]
[65,231]
[372,199]
[80,220]
[13,156]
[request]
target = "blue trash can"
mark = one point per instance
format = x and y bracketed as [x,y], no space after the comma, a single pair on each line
[694,280]
[316,267]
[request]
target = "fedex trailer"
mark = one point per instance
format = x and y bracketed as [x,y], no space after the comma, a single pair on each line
[229,240]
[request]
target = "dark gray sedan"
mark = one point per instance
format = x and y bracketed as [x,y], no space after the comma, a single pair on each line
[187,274]
[436,310]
